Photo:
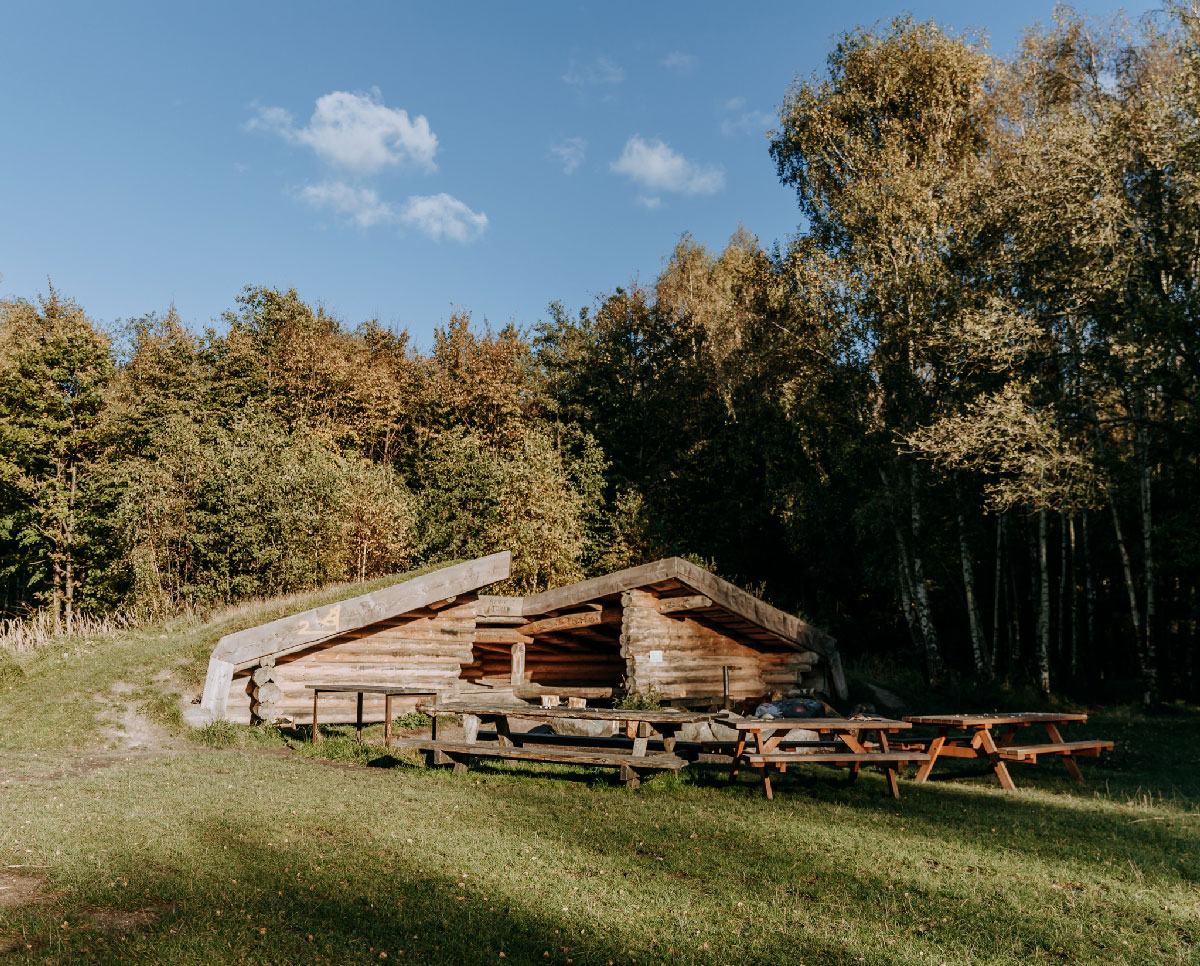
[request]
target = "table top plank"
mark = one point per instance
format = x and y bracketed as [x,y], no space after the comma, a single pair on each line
[986,720]
[488,709]
[816,724]
[392,689]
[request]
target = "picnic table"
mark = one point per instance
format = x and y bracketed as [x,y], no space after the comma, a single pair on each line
[847,745]
[633,761]
[982,744]
[388,691]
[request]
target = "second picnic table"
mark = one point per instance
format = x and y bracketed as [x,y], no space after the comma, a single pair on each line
[982,744]
[848,746]
[388,691]
[633,760]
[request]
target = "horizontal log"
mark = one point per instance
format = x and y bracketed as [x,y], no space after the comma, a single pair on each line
[548,625]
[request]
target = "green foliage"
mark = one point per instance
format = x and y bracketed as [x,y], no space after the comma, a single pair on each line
[650,700]
[413,721]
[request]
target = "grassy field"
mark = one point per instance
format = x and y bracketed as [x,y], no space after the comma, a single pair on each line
[122,839]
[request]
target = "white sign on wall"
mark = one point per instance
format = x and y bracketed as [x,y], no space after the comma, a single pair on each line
[656,657]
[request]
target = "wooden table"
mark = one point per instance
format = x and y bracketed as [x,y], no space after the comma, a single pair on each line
[982,744]
[848,746]
[388,691]
[638,726]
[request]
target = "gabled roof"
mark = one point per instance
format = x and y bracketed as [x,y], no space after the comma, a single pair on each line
[248,647]
[729,608]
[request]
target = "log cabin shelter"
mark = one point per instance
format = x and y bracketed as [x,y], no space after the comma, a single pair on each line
[667,628]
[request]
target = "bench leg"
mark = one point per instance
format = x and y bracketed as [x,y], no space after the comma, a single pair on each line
[316,735]
[358,719]
[387,721]
[642,740]
[1067,759]
[935,746]
[630,777]
[893,787]
[738,751]
[993,756]
[766,780]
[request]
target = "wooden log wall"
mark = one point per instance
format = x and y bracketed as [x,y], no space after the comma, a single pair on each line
[423,649]
[692,656]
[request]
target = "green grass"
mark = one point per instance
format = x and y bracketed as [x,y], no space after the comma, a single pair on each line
[253,846]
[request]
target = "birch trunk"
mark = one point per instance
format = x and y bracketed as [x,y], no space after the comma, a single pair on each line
[979,646]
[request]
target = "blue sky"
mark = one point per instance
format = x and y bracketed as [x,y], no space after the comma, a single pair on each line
[398,161]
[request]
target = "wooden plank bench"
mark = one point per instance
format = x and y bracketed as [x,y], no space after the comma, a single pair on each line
[1088,749]
[461,754]
[888,760]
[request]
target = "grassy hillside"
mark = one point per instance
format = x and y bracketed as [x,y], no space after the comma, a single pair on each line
[177,852]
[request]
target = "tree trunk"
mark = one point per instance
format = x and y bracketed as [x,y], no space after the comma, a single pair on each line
[69,562]
[1073,640]
[1043,619]
[979,646]
[996,586]
[1089,597]
[1149,644]
[1135,614]
[933,658]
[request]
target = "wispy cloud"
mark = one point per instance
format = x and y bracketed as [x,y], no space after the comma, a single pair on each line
[738,120]
[598,72]
[649,201]
[570,153]
[444,216]
[676,60]
[656,167]
[357,132]
[362,206]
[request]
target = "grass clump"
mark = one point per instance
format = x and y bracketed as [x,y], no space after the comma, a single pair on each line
[219,734]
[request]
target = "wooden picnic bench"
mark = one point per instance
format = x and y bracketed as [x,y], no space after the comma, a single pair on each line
[982,744]
[848,746]
[634,759]
[388,691]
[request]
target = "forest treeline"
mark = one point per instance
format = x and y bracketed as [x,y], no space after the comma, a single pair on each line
[954,418]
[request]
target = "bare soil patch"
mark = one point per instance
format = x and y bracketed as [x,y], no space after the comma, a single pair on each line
[18,889]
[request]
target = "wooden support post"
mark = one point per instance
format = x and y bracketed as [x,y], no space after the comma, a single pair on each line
[316,733]
[387,721]
[516,674]
[993,755]
[358,718]
[725,686]
[503,731]
[470,728]
[935,746]
[642,740]
[1072,768]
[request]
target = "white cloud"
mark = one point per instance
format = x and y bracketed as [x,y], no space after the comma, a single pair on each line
[740,121]
[357,132]
[656,167]
[443,216]
[679,61]
[570,152]
[649,201]
[361,205]
[597,72]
